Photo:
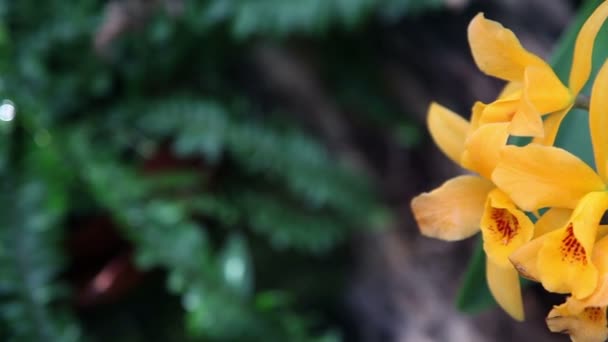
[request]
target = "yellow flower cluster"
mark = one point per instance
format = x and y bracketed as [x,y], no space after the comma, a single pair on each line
[566,249]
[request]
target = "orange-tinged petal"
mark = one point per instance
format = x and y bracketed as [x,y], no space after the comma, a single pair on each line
[586,326]
[482,148]
[583,48]
[598,121]
[504,228]
[553,219]
[452,211]
[564,260]
[551,127]
[504,286]
[537,176]
[448,130]
[545,91]
[497,51]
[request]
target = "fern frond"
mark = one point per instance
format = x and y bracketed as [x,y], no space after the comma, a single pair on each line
[30,263]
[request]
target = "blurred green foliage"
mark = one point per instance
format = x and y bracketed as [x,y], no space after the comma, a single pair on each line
[237,206]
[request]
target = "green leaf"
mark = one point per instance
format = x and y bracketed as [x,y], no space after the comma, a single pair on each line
[474,295]
[574,130]
[33,305]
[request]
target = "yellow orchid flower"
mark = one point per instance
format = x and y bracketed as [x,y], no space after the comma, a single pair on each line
[561,258]
[584,319]
[599,296]
[534,89]
[588,325]
[458,208]
[537,176]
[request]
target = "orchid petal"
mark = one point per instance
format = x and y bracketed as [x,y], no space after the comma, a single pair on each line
[497,51]
[510,88]
[536,176]
[588,325]
[551,126]
[452,211]
[503,283]
[553,219]
[448,130]
[583,48]
[545,91]
[501,110]
[599,297]
[504,228]
[482,148]
[525,259]
[476,114]
[598,121]
[527,121]
[564,260]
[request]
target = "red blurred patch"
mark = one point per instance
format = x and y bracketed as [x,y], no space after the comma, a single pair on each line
[101,269]
[165,160]
[112,282]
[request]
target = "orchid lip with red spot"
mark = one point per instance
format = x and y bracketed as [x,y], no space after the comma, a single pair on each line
[571,248]
[507,225]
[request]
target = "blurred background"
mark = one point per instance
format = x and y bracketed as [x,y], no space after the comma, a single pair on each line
[222,170]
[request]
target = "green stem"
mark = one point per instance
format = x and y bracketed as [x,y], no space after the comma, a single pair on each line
[582,102]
